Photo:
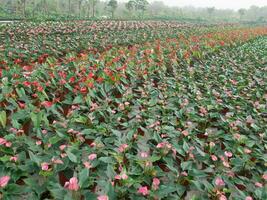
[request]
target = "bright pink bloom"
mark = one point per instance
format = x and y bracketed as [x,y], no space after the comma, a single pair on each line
[219,182]
[228,154]
[123,147]
[160,145]
[156,181]
[144,154]
[102,197]
[223,197]
[226,164]
[92,156]
[231,174]
[87,165]
[155,184]
[214,158]
[124,176]
[117,177]
[143,190]
[257,184]
[63,155]
[2,141]
[246,150]
[163,145]
[57,161]
[14,158]
[45,166]
[8,144]
[4,181]
[264,176]
[72,184]
[249,198]
[39,142]
[62,147]
[184,174]
[185,133]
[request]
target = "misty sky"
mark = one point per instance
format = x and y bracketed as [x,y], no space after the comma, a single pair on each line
[234,4]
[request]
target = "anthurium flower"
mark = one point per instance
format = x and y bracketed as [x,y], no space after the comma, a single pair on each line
[143,190]
[223,197]
[219,182]
[87,165]
[47,104]
[92,156]
[258,184]
[2,141]
[27,83]
[4,181]
[21,105]
[45,166]
[102,197]
[123,147]
[72,184]
[13,158]
[228,154]
[155,184]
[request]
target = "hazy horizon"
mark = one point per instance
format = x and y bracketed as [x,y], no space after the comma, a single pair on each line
[220,4]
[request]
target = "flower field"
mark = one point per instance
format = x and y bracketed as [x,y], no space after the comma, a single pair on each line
[133,110]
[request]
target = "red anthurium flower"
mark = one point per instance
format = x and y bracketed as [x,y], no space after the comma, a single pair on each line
[83,90]
[72,79]
[18,61]
[99,79]
[27,83]
[22,105]
[47,104]
[35,83]
[91,75]
[40,88]
[27,68]
[91,85]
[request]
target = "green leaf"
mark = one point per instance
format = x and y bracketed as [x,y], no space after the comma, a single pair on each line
[36,119]
[3,118]
[186,165]
[83,177]
[34,158]
[71,156]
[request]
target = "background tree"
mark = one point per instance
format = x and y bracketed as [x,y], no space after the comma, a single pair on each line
[23,7]
[112,4]
[241,13]
[141,5]
[210,11]
[79,6]
[93,3]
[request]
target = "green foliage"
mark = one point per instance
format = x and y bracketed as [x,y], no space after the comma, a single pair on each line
[161,116]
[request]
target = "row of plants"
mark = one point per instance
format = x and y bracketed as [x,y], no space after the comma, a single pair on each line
[168,119]
[29,41]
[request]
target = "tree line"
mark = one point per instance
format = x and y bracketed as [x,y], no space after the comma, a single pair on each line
[131,9]
[78,8]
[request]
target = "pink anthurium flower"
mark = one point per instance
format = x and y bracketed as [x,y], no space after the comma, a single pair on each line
[4,181]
